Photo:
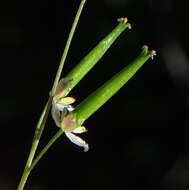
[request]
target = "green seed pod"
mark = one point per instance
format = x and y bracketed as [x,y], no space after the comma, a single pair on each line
[87,63]
[93,102]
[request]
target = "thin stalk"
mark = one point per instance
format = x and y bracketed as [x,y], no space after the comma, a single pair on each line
[44,150]
[40,155]
[70,37]
[38,132]
[41,123]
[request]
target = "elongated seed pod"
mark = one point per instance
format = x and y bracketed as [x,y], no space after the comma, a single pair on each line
[93,102]
[89,61]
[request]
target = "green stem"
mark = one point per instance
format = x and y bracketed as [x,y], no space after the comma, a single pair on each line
[36,160]
[40,155]
[50,143]
[70,37]
[38,132]
[93,102]
[41,123]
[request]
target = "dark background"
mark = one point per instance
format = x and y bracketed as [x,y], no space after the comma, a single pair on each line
[139,139]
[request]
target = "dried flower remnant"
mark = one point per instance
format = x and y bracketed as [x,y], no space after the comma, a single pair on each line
[60,107]
[124,20]
[68,125]
[63,102]
[152,53]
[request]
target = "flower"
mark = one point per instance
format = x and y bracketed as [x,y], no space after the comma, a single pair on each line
[77,140]
[60,107]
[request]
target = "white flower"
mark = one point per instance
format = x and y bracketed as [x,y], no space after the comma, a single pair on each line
[77,140]
[60,107]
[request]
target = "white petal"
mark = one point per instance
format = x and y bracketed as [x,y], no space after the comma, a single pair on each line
[78,141]
[60,107]
[55,115]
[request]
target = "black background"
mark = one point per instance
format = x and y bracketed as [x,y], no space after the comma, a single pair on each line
[139,139]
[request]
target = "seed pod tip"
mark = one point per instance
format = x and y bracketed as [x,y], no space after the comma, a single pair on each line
[122,19]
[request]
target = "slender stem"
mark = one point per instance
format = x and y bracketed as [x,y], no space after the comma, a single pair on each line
[40,155]
[41,123]
[24,179]
[44,150]
[38,132]
[57,78]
